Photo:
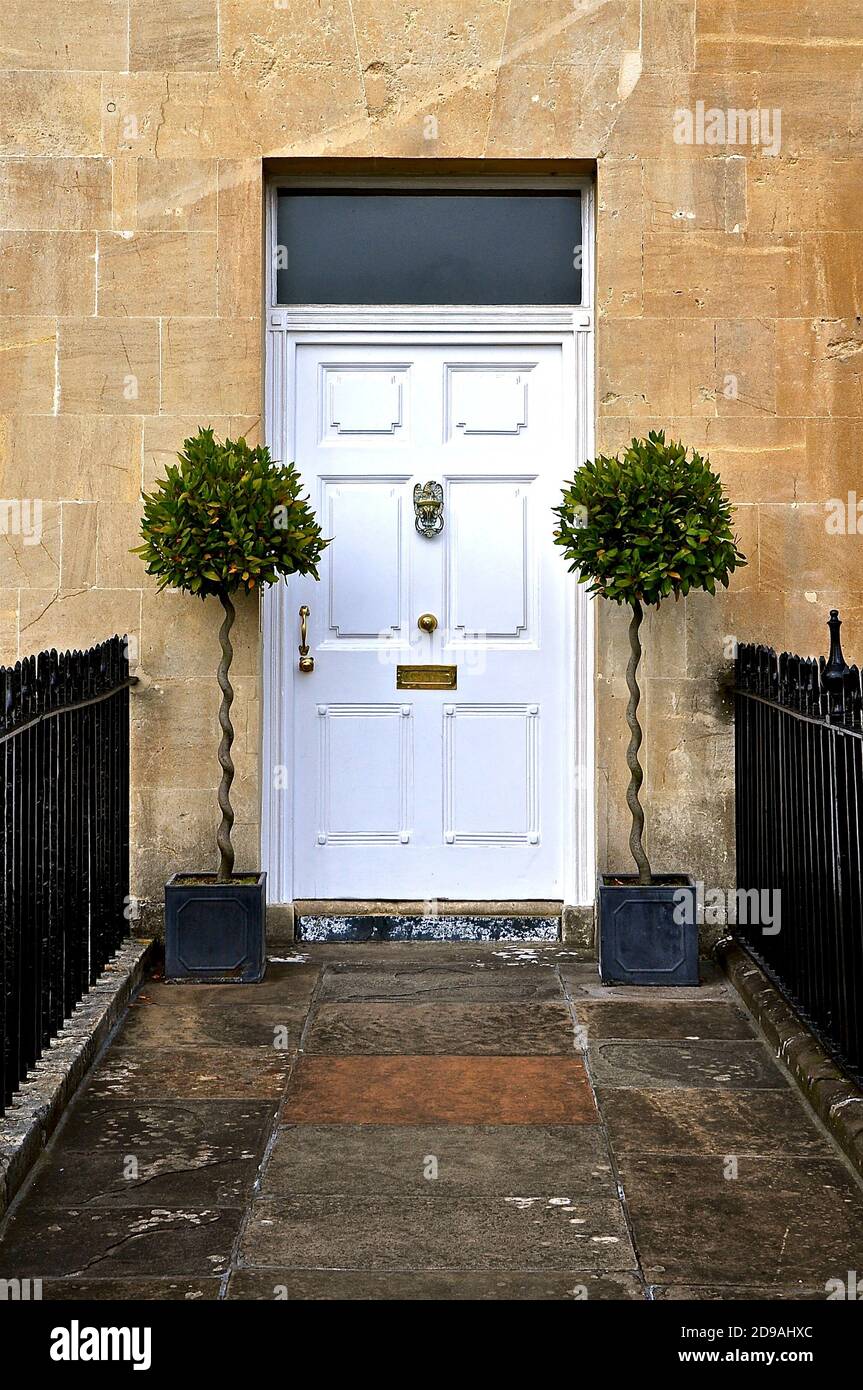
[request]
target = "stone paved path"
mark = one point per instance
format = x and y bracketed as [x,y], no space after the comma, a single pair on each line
[429,1121]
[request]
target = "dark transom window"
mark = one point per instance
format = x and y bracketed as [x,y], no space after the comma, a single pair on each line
[388,247]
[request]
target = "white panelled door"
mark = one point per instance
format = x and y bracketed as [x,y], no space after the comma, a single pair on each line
[450,793]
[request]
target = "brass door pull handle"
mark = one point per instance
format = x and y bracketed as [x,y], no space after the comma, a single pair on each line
[306,662]
[427,622]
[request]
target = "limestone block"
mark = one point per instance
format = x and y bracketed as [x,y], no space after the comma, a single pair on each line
[80,457]
[240,272]
[155,273]
[48,272]
[797,555]
[262,42]
[176,195]
[173,35]
[119,527]
[644,121]
[707,272]
[668,34]
[819,367]
[832,274]
[8,626]
[78,556]
[47,194]
[663,640]
[745,364]
[194,115]
[53,113]
[780,36]
[30,546]
[550,112]
[49,619]
[211,365]
[806,623]
[832,464]
[434,33]
[177,733]
[27,353]
[175,831]
[124,192]
[419,115]
[619,238]
[571,35]
[711,630]
[820,115]
[685,837]
[804,195]
[654,367]
[176,116]
[747,579]
[109,366]
[759,458]
[696,194]
[90,34]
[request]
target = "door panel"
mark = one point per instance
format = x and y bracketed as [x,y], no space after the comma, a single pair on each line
[487,399]
[360,401]
[432,793]
[367,517]
[488,602]
[370,746]
[491,774]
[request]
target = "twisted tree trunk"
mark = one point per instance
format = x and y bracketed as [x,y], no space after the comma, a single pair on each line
[636,775]
[223,839]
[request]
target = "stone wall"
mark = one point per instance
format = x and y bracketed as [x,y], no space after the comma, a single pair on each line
[132,135]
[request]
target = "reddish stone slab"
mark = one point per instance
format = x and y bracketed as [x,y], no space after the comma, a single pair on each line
[442,1090]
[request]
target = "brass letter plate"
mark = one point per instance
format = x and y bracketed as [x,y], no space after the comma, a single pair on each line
[426,677]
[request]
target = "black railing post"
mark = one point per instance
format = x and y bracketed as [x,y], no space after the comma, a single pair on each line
[834,673]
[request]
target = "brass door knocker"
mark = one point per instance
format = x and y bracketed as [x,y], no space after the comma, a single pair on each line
[428,506]
[306,663]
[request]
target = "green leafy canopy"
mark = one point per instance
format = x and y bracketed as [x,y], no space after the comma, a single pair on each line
[227,517]
[651,522]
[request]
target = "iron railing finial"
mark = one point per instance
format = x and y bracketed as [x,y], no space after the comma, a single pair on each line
[836,670]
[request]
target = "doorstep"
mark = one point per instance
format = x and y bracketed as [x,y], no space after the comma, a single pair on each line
[445,920]
[37,1106]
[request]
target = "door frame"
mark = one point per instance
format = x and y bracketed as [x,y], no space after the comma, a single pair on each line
[344,325]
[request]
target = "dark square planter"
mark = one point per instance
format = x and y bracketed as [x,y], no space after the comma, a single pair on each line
[640,943]
[215,932]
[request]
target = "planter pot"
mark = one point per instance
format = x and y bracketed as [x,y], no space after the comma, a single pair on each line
[640,942]
[215,932]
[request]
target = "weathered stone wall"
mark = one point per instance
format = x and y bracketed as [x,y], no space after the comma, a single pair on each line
[132,134]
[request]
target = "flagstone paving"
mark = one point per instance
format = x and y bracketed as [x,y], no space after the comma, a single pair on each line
[434,1121]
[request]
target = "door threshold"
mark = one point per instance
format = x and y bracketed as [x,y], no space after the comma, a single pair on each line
[412,920]
[427,907]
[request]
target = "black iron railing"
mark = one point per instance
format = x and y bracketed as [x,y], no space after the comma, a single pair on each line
[799,800]
[64,840]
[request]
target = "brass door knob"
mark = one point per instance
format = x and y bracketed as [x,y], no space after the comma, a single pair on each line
[427,622]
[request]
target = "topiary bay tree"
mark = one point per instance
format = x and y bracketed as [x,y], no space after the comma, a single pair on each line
[640,527]
[227,519]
